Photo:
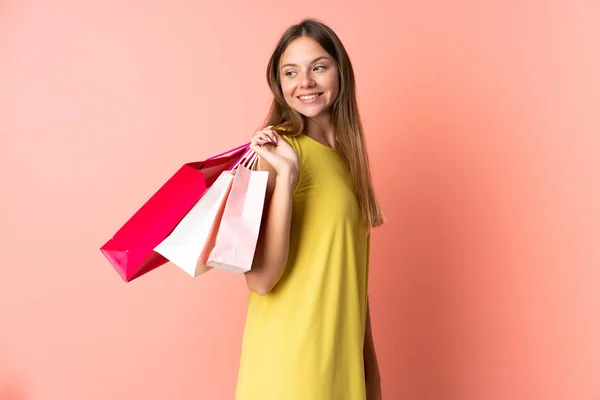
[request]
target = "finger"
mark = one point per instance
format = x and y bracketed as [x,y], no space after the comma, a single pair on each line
[278,138]
[264,146]
[256,148]
[260,142]
[276,134]
[263,153]
[256,139]
[270,135]
[264,137]
[268,156]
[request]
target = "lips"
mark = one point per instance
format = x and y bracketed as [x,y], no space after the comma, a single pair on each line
[309,96]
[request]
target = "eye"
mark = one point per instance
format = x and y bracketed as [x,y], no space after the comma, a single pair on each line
[321,66]
[288,73]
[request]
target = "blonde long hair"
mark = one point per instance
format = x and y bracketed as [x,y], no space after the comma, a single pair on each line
[346,119]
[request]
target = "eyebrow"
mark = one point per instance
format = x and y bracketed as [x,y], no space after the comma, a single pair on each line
[312,62]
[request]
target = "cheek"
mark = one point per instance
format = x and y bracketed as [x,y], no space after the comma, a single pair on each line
[331,82]
[334,88]
[287,90]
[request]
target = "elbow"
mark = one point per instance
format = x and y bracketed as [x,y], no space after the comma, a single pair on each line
[260,282]
[259,286]
[261,290]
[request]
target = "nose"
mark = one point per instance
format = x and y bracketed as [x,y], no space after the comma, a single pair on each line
[306,80]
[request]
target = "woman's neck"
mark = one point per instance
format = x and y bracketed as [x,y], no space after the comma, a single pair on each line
[321,129]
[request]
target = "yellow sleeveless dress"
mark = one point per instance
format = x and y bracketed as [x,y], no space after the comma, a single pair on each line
[304,339]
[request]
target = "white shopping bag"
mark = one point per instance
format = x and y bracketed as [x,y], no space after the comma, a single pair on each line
[190,243]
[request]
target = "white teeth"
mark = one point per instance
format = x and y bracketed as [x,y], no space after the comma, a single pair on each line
[314,96]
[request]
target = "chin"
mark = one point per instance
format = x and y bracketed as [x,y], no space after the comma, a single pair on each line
[312,113]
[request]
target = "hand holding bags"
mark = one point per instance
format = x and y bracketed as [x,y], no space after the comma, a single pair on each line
[131,250]
[238,234]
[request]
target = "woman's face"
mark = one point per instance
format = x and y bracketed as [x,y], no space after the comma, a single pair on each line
[309,77]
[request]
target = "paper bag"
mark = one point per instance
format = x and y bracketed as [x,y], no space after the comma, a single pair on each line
[131,249]
[237,236]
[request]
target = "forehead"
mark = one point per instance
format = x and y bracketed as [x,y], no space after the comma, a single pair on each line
[302,51]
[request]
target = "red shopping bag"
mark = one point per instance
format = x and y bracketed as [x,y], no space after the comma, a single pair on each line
[131,249]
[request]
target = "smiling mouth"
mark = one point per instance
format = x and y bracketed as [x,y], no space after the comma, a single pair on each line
[311,97]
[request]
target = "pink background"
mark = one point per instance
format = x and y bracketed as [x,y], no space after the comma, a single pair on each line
[484,132]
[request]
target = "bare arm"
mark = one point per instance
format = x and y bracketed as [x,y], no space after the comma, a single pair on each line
[270,257]
[272,248]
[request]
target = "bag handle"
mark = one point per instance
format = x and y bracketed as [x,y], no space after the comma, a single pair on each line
[242,159]
[255,160]
[244,146]
[214,160]
[248,158]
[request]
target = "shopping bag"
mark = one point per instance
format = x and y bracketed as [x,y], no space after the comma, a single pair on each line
[192,239]
[131,249]
[237,236]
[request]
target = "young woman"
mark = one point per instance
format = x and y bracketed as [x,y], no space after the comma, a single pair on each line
[308,333]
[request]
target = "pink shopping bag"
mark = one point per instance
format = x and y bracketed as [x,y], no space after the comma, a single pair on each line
[237,236]
[131,249]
